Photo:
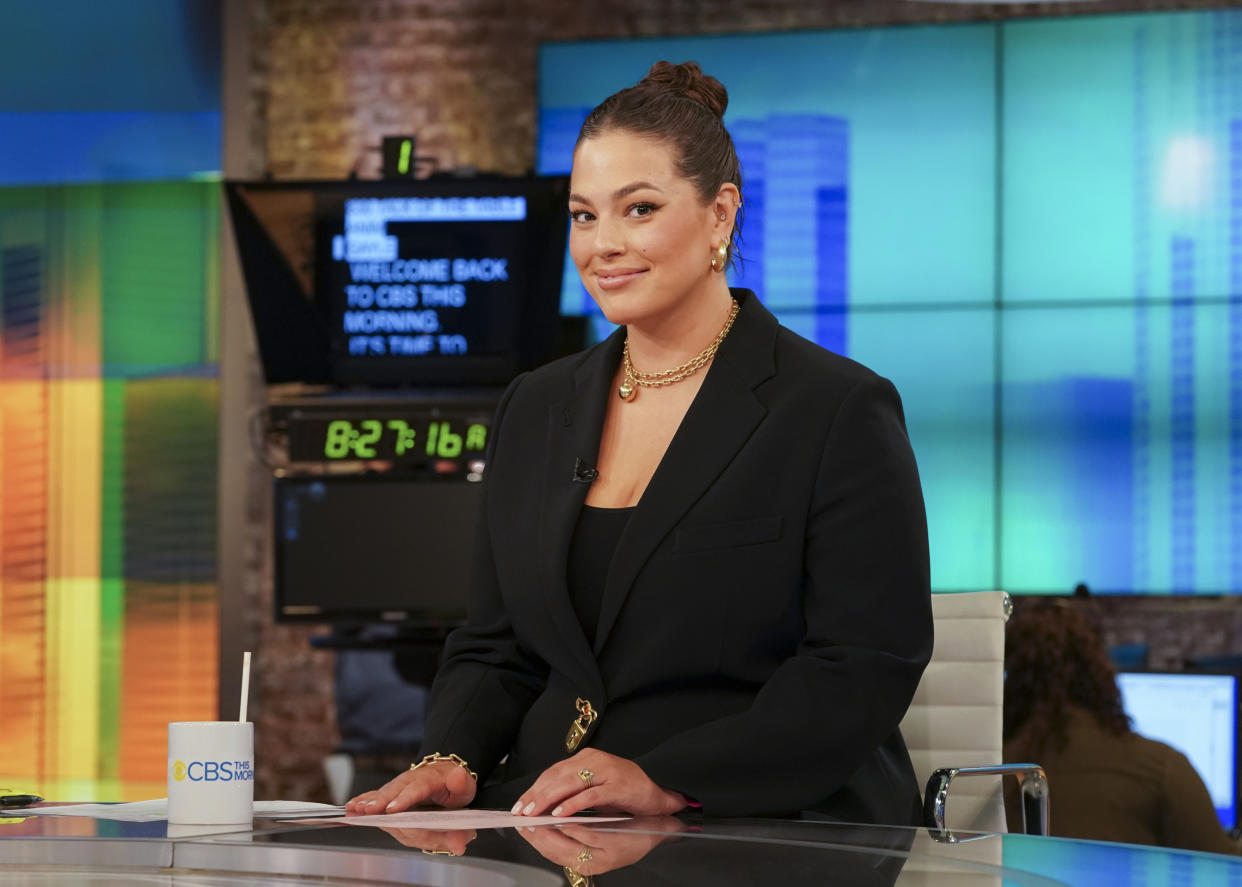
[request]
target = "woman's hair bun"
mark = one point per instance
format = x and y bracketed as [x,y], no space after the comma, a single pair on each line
[688,80]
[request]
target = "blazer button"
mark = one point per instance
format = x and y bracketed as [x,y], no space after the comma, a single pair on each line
[580,725]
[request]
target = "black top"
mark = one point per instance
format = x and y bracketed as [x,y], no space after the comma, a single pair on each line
[590,555]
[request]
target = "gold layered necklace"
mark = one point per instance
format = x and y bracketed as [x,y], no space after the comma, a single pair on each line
[634,379]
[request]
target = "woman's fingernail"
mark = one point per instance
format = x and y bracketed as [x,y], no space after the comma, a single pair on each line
[516,808]
[372,803]
[388,809]
[556,812]
[528,809]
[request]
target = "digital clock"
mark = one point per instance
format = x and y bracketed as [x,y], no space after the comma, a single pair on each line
[366,438]
[404,438]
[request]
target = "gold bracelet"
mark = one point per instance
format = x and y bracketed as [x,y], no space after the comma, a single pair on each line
[452,759]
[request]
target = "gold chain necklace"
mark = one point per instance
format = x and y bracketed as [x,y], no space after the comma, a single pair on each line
[634,379]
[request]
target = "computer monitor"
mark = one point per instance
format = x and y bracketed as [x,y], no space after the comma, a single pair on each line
[1197,714]
[373,548]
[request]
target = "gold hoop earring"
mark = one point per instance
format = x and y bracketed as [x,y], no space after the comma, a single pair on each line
[720,256]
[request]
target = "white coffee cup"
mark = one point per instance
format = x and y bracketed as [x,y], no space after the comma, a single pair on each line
[210,772]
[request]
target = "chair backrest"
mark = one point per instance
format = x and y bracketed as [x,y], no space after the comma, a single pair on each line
[955,718]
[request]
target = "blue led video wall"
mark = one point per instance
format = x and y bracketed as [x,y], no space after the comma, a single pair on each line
[109,92]
[1034,228]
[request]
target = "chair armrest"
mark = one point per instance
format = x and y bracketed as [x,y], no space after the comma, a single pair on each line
[1031,778]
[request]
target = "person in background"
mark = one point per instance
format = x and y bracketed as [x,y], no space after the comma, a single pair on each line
[1063,711]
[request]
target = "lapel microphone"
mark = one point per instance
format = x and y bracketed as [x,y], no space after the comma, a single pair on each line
[583,473]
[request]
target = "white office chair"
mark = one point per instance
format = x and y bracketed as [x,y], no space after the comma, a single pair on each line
[953,727]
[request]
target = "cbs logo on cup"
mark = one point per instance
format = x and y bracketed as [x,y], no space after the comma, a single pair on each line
[210,772]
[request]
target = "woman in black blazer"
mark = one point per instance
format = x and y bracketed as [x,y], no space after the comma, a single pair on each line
[704,587]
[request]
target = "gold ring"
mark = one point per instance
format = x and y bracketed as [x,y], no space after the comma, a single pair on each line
[585,855]
[586,776]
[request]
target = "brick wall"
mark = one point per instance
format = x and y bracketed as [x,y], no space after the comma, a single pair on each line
[332,76]
[328,78]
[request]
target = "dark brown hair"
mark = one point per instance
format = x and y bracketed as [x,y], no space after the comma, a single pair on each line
[1055,657]
[684,108]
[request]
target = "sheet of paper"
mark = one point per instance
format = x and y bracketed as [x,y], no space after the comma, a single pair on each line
[139,811]
[150,811]
[448,820]
[282,809]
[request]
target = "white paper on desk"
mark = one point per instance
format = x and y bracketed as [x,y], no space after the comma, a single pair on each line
[282,809]
[150,811]
[449,820]
[139,811]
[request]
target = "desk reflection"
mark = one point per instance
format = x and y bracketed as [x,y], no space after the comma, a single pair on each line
[652,851]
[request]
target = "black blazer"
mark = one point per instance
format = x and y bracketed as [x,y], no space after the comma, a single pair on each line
[767,616]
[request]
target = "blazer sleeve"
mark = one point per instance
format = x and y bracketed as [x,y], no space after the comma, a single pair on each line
[826,710]
[486,680]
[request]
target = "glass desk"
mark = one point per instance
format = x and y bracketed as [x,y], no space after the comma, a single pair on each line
[652,851]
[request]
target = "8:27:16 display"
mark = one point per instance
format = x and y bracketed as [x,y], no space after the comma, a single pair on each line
[377,438]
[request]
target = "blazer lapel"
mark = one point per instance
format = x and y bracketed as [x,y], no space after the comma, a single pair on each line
[575,424]
[720,420]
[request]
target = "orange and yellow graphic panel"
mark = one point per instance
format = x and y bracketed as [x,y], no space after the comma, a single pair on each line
[108,611]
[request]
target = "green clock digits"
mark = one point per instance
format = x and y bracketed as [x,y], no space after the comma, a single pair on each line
[358,439]
[343,437]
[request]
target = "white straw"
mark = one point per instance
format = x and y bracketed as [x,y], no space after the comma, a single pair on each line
[245,691]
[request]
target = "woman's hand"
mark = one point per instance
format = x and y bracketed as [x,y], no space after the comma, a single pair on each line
[617,785]
[442,783]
